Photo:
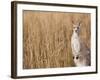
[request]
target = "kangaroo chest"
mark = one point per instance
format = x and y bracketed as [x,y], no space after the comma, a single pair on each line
[75,42]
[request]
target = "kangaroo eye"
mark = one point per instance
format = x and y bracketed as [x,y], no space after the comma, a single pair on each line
[73,57]
[77,57]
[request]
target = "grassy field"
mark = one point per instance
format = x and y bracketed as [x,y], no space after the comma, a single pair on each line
[47,38]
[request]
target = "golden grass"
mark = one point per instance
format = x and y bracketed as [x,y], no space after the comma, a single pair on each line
[47,38]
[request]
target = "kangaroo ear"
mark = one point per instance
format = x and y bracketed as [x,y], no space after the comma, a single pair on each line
[79,23]
[73,24]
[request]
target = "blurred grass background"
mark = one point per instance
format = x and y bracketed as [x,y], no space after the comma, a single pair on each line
[47,38]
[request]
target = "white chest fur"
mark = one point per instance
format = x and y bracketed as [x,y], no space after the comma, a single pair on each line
[75,43]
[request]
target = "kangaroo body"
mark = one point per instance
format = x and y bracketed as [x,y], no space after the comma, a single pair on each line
[81,54]
[75,43]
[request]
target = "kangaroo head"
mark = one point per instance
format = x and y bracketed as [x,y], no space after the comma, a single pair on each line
[76,27]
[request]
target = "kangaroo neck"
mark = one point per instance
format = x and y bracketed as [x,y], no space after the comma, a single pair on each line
[75,33]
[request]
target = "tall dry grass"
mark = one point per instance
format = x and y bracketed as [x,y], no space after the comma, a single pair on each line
[47,38]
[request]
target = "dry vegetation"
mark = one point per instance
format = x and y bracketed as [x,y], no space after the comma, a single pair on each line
[47,37]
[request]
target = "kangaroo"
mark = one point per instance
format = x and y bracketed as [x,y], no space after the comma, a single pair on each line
[81,53]
[75,39]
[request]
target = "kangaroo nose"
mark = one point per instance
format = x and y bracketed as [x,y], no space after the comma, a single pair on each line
[76,30]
